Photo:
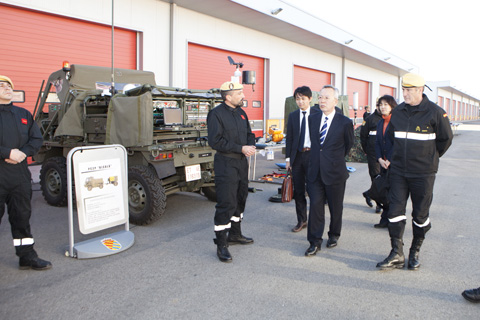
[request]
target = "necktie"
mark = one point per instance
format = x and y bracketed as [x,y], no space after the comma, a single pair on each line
[302,132]
[323,131]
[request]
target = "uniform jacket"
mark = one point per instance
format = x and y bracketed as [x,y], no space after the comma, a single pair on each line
[293,133]
[229,129]
[422,134]
[17,131]
[368,132]
[23,133]
[383,142]
[329,159]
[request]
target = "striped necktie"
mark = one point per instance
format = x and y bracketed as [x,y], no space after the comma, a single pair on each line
[323,131]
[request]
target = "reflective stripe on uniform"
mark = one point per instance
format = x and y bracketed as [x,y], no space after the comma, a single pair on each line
[415,136]
[23,242]
[397,219]
[223,227]
[373,133]
[423,224]
[235,219]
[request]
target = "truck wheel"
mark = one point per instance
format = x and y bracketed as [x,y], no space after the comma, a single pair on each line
[210,193]
[53,181]
[146,195]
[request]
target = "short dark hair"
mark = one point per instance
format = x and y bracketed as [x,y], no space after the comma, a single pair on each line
[304,91]
[388,99]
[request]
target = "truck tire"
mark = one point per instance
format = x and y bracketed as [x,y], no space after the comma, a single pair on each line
[146,195]
[210,193]
[53,181]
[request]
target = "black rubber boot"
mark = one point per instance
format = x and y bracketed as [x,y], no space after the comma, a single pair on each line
[35,264]
[222,246]
[413,263]
[396,259]
[235,235]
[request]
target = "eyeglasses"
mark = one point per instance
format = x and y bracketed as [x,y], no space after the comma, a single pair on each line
[5,85]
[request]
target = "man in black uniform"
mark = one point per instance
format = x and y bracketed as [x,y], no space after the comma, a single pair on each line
[229,133]
[422,134]
[368,134]
[366,114]
[20,138]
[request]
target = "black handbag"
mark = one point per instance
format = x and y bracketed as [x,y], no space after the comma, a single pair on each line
[380,186]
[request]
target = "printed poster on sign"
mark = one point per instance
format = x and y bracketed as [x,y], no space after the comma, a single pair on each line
[99,195]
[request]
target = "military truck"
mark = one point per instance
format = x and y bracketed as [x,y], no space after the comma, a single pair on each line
[163,129]
[91,183]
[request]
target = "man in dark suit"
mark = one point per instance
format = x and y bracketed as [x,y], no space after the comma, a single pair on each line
[331,135]
[298,150]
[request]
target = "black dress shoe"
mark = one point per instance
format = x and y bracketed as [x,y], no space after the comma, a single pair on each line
[378,209]
[35,264]
[332,242]
[367,199]
[472,295]
[239,239]
[312,250]
[299,226]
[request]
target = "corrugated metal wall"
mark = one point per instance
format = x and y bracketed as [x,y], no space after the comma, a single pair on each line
[34,44]
[208,68]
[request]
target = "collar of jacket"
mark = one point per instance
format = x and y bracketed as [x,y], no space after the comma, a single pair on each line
[421,107]
[230,108]
[6,107]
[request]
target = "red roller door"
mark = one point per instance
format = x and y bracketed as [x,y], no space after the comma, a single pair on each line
[363,89]
[440,104]
[449,108]
[34,44]
[315,79]
[208,68]
[386,90]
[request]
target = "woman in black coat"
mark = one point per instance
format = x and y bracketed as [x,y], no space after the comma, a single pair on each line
[384,146]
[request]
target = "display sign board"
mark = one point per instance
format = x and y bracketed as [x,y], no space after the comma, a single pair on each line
[101,182]
[99,189]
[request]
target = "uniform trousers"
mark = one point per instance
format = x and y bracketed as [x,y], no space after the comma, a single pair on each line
[373,166]
[231,185]
[420,189]
[299,173]
[17,197]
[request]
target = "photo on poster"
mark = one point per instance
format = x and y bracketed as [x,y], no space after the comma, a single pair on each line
[99,194]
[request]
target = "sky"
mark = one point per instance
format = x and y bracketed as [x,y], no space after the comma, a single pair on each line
[439,37]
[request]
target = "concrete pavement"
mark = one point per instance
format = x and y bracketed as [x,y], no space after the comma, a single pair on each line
[172,271]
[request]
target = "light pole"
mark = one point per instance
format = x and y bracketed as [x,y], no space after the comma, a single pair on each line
[355,108]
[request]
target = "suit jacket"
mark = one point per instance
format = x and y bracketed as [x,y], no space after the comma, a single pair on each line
[328,161]
[293,133]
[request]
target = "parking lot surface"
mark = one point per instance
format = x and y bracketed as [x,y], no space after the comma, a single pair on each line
[172,271]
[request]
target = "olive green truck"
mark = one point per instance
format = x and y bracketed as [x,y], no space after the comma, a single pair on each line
[163,129]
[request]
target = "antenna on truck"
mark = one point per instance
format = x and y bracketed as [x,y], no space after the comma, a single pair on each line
[112,88]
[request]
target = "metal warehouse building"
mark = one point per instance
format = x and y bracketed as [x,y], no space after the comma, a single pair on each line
[186,44]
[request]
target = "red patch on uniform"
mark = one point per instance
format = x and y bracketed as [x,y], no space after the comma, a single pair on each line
[243,117]
[24,121]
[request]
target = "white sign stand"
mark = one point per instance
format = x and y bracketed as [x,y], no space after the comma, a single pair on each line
[101,181]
